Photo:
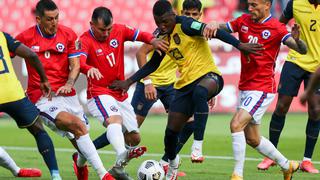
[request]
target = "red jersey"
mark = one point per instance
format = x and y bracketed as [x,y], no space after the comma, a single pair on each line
[257,71]
[108,57]
[53,52]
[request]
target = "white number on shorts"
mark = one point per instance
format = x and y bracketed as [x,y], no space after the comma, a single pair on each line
[247,101]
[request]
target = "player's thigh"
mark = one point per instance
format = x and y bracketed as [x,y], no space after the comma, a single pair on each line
[290,79]
[74,107]
[166,95]
[22,111]
[49,110]
[213,83]
[255,103]
[129,119]
[140,104]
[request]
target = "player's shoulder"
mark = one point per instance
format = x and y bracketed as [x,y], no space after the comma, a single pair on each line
[274,22]
[28,33]
[65,30]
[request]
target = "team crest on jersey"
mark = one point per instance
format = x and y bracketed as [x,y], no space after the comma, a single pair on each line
[60,47]
[35,48]
[53,108]
[266,34]
[114,109]
[244,29]
[114,43]
[176,39]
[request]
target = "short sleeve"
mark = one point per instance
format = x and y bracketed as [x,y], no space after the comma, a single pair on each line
[11,42]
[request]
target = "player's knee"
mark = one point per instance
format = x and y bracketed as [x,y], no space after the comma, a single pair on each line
[132,138]
[282,108]
[36,127]
[314,113]
[235,126]
[253,142]
[200,93]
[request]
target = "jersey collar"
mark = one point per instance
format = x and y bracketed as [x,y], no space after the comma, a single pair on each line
[266,19]
[91,33]
[43,35]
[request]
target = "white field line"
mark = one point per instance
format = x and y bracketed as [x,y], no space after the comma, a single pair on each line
[16,148]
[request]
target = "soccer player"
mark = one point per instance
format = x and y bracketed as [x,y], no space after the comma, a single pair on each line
[55,45]
[17,105]
[200,78]
[257,85]
[7,162]
[297,69]
[102,60]
[159,85]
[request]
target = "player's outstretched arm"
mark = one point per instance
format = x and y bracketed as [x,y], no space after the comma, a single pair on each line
[147,69]
[294,42]
[312,84]
[33,60]
[74,65]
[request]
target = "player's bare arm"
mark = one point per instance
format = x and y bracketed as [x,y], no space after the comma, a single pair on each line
[149,90]
[32,58]
[73,75]
[294,42]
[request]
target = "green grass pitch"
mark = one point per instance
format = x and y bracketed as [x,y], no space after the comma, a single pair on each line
[217,166]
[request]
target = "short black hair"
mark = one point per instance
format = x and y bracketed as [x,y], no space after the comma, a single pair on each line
[102,13]
[161,7]
[191,4]
[45,5]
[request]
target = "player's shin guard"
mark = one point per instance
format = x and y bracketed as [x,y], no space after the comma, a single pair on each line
[46,149]
[101,141]
[267,149]
[275,129]
[170,141]
[199,97]
[184,135]
[88,150]
[312,133]
[239,152]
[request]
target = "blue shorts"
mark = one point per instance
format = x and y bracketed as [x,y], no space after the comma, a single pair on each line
[183,102]
[22,111]
[142,106]
[291,78]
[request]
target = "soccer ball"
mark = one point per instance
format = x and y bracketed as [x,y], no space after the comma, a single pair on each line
[150,170]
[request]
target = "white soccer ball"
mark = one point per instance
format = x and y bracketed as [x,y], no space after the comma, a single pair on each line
[150,170]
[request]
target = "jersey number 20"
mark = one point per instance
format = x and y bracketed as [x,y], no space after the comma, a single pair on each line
[4,68]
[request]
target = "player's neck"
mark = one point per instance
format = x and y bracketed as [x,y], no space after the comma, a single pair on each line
[265,18]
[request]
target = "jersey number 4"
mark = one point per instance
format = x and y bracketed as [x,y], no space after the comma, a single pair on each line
[4,68]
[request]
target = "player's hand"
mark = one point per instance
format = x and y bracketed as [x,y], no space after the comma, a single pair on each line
[210,30]
[121,85]
[46,89]
[94,73]
[66,89]
[295,32]
[303,98]
[253,48]
[150,92]
[160,44]
[212,103]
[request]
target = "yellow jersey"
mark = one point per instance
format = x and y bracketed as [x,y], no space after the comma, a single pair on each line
[11,89]
[190,51]
[308,17]
[165,74]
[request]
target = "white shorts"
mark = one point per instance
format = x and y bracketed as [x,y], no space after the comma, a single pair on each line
[50,109]
[104,106]
[255,103]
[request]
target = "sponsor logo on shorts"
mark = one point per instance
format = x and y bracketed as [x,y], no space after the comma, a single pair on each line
[53,108]
[114,109]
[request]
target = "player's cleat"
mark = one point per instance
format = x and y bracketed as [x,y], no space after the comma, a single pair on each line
[307,166]
[82,173]
[236,177]
[196,156]
[125,157]
[118,172]
[266,163]
[29,172]
[293,167]
[108,176]
[172,173]
[166,167]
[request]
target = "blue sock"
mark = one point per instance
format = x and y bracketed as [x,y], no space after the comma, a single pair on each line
[199,97]
[170,142]
[183,138]
[46,149]
[101,141]
[275,128]
[312,133]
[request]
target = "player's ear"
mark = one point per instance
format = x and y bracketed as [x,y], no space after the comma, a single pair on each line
[38,19]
